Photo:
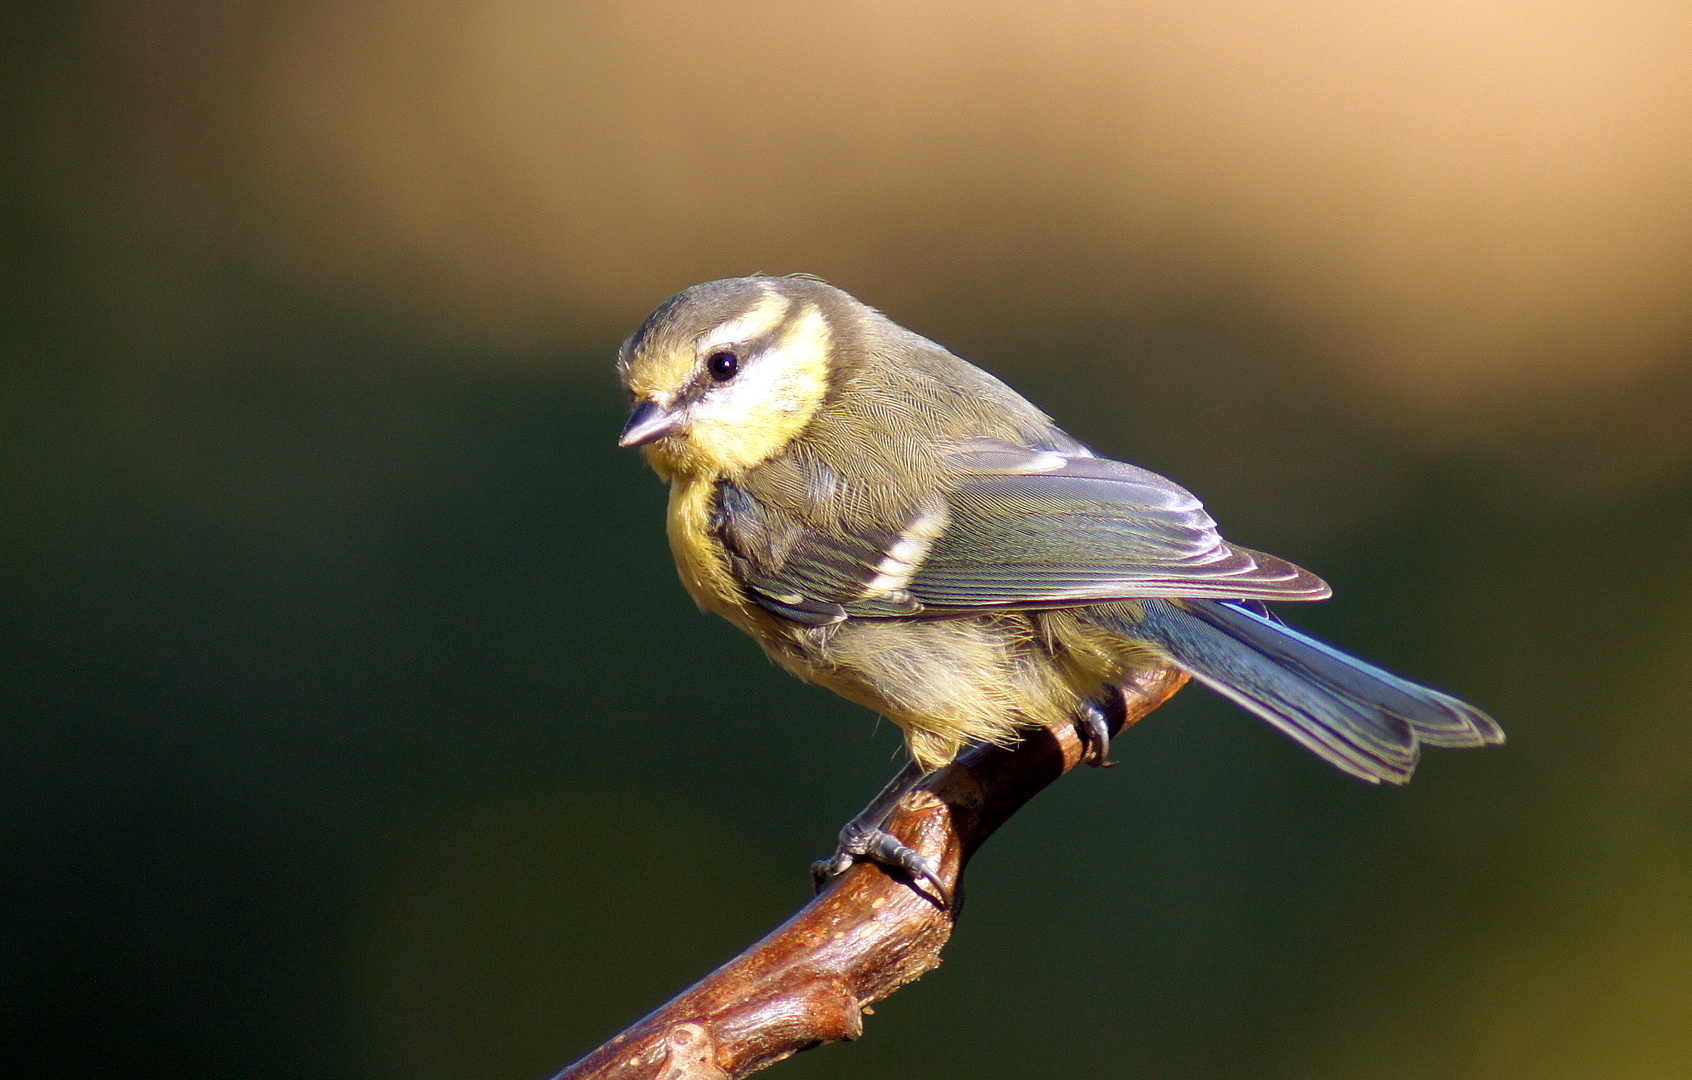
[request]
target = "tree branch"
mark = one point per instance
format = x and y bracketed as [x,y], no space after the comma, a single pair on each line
[812,979]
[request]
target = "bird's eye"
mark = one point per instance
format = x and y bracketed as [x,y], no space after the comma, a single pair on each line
[723,365]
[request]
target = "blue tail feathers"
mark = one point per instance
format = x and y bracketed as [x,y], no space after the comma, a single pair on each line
[1363,720]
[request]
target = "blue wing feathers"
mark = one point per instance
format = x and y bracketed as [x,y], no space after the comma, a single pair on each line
[1083,528]
[1064,530]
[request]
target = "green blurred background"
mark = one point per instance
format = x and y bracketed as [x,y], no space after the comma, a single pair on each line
[355,725]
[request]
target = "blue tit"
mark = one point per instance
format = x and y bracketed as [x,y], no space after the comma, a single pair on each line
[893,523]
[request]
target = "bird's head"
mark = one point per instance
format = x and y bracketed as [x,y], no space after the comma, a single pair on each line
[726,374]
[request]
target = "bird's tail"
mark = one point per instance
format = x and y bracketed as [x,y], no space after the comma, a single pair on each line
[1366,721]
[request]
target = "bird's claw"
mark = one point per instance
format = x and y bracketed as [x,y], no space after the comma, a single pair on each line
[1093,726]
[877,845]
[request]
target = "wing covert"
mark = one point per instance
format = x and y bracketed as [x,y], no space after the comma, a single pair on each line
[811,575]
[1017,528]
[1067,529]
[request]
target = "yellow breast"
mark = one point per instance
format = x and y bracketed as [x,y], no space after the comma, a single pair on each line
[704,565]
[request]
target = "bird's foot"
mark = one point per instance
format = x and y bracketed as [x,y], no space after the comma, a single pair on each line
[875,844]
[866,838]
[1092,724]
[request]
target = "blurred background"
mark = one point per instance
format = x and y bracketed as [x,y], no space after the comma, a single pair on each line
[355,726]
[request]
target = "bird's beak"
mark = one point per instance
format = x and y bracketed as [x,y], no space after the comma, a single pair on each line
[649,421]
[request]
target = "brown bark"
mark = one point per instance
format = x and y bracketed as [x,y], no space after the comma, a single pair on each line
[812,979]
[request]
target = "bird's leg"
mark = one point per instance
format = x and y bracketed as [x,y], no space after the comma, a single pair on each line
[866,837]
[1092,723]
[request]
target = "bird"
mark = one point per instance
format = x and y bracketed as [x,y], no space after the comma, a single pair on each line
[895,524]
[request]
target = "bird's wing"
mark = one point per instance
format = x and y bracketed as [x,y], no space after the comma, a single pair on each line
[809,574]
[1023,528]
[1036,527]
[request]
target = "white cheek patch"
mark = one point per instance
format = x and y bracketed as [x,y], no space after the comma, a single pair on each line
[759,389]
[787,378]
